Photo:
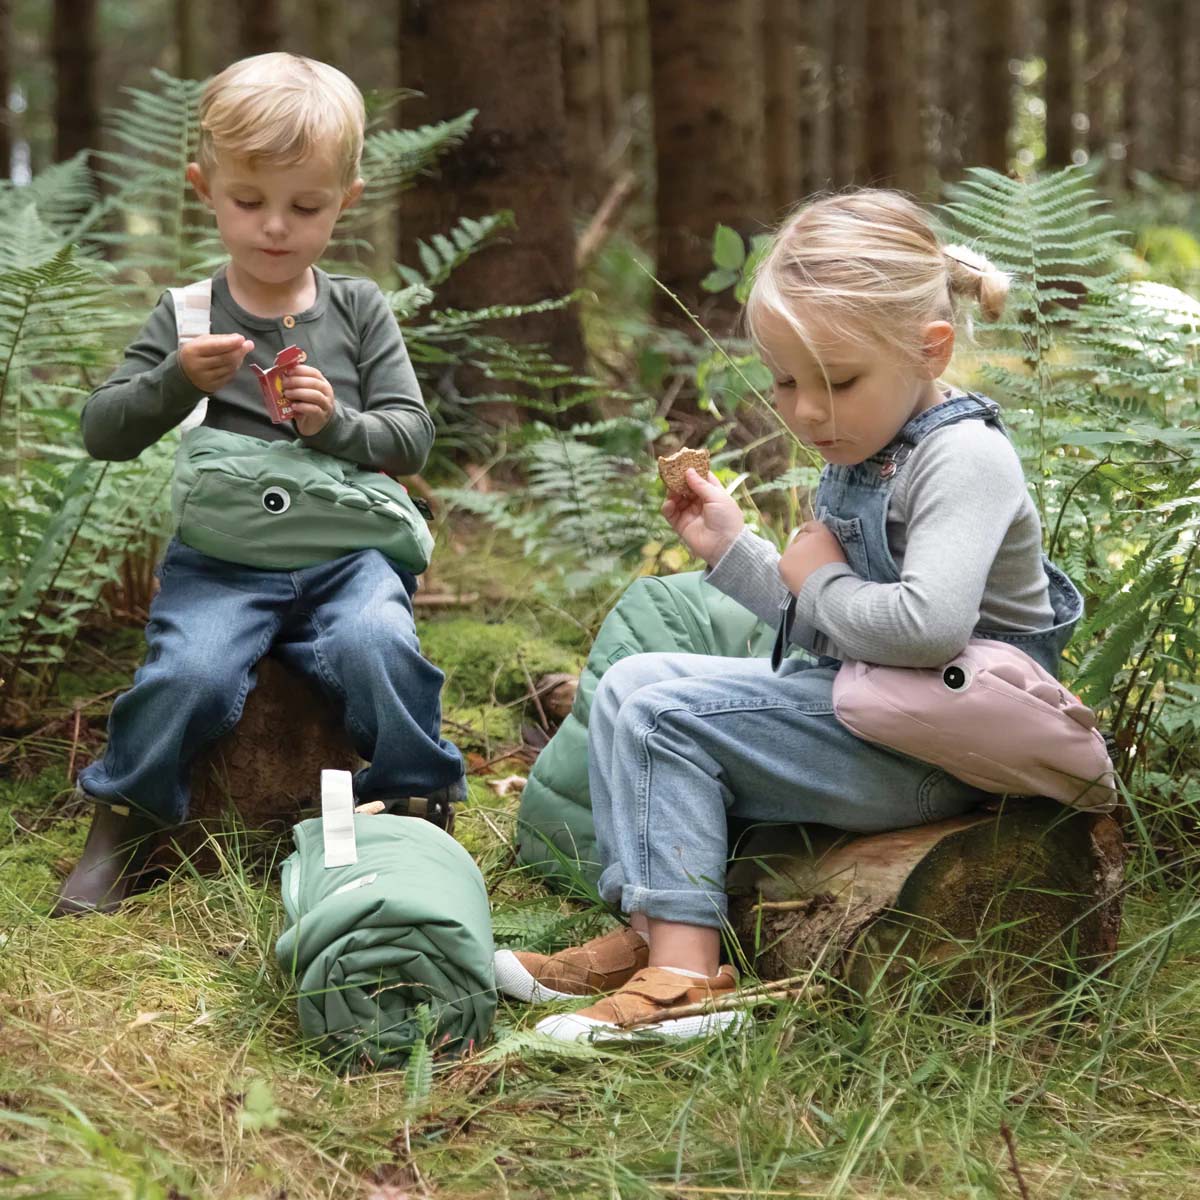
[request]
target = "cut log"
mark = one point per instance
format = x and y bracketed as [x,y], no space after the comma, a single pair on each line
[1027,899]
[265,774]
[557,695]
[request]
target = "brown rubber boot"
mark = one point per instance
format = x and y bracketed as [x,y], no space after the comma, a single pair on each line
[118,844]
[600,965]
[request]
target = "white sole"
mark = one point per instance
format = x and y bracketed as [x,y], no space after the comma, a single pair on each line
[513,980]
[571,1027]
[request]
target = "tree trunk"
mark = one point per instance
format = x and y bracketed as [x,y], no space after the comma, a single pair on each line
[503,58]
[781,50]
[265,775]
[1184,40]
[993,107]
[817,96]
[892,148]
[849,34]
[6,122]
[1060,83]
[584,102]
[708,135]
[260,27]
[188,59]
[1144,67]
[1029,898]
[76,102]
[330,40]
[613,49]
[1102,28]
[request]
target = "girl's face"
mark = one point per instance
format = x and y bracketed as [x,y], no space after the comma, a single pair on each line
[871,391]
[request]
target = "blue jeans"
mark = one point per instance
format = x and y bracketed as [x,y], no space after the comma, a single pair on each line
[679,742]
[346,625]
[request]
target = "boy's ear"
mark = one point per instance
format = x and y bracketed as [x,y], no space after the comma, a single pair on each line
[195,176]
[937,347]
[352,195]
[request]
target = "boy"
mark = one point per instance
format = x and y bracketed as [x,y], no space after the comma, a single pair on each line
[280,147]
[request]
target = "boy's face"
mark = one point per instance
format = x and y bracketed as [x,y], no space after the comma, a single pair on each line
[870,395]
[275,221]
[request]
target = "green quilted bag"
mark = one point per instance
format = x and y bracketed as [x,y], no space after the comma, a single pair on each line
[280,506]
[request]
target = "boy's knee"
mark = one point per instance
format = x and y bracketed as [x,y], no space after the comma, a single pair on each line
[198,683]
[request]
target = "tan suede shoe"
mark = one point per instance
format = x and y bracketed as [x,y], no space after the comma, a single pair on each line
[649,993]
[600,965]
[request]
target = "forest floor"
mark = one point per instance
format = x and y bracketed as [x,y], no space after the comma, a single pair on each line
[155,1053]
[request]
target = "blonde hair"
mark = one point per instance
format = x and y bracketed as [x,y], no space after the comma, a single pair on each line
[868,263]
[281,109]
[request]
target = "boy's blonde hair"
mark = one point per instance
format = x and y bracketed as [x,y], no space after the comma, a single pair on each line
[281,109]
[868,264]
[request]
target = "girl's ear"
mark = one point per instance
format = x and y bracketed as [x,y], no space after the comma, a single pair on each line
[195,177]
[937,347]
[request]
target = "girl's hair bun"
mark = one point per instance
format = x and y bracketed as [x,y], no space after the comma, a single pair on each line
[971,274]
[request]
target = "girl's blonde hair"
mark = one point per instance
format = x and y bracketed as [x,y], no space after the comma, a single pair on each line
[282,109]
[868,264]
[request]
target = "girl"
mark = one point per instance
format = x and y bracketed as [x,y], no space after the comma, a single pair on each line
[925,536]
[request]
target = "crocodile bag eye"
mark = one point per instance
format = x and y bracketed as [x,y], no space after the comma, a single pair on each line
[957,677]
[276,500]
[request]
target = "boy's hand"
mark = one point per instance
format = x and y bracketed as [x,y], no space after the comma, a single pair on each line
[707,519]
[311,396]
[212,360]
[814,546]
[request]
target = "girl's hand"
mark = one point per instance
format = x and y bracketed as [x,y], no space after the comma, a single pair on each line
[814,546]
[212,360]
[707,520]
[311,396]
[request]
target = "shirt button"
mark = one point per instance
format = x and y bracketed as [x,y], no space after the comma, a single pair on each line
[289,322]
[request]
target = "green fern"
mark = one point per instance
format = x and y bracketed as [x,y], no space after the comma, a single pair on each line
[1103,407]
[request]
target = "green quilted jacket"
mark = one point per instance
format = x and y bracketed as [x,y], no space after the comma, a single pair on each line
[676,613]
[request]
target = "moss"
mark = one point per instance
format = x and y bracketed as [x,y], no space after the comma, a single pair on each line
[481,728]
[488,663]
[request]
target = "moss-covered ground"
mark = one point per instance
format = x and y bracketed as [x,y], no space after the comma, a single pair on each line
[155,1053]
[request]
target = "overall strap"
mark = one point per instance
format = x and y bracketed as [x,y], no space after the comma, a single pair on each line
[193,319]
[960,408]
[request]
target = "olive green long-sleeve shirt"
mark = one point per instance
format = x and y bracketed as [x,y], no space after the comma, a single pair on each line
[349,334]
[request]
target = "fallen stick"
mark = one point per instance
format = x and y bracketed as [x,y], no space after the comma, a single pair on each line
[600,227]
[783,989]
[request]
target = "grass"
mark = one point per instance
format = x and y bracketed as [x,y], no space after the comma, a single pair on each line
[155,1053]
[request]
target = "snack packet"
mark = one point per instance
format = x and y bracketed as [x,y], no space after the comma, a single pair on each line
[271,382]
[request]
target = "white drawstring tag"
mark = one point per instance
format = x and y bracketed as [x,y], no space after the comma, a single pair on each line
[337,818]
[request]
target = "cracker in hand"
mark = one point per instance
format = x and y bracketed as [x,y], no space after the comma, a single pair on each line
[673,469]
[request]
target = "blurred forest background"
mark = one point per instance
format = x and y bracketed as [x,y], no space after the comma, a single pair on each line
[666,118]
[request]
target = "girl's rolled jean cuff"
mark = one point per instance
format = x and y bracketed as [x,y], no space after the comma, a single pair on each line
[692,906]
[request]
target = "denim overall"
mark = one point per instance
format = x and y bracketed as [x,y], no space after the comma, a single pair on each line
[679,742]
[853,502]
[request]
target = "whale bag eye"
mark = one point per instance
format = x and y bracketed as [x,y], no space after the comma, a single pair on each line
[276,501]
[957,677]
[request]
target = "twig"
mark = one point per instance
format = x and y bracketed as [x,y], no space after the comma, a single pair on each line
[537,699]
[1011,1143]
[444,599]
[74,743]
[784,989]
[606,219]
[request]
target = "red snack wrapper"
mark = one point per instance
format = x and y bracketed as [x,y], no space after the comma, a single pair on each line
[271,382]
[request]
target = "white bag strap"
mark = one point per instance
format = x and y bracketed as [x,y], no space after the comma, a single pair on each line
[193,319]
[337,818]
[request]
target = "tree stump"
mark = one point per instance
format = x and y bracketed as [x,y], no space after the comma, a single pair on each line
[1027,899]
[264,775]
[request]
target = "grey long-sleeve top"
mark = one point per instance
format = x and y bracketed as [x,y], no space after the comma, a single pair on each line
[966,538]
[350,335]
